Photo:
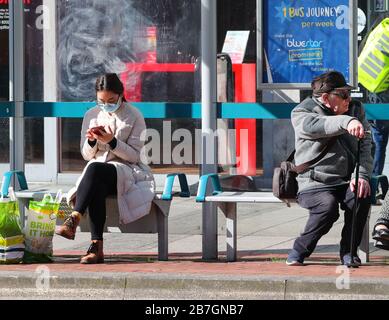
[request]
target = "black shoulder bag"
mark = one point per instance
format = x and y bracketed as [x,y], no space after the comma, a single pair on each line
[285,185]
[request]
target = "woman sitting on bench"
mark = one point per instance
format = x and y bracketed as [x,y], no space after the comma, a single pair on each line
[110,141]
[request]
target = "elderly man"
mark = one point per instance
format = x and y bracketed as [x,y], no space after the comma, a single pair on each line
[329,182]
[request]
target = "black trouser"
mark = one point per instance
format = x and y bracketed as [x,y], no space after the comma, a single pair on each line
[323,209]
[99,181]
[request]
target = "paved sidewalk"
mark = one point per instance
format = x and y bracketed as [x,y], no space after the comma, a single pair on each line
[266,233]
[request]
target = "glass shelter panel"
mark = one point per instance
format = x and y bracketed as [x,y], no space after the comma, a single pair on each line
[33,15]
[151,44]
[147,42]
[34,147]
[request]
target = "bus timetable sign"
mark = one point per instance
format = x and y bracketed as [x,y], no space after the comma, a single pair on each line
[305,38]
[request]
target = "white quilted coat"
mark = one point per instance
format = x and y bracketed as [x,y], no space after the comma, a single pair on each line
[135,182]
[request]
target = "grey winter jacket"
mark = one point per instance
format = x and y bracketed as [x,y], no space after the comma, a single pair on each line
[135,181]
[314,124]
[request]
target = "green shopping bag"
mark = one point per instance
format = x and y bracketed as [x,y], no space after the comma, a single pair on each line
[39,230]
[11,236]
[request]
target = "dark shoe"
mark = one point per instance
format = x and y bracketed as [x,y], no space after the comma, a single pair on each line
[68,228]
[381,234]
[94,254]
[346,260]
[382,244]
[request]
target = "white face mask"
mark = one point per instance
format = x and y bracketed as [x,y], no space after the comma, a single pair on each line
[111,107]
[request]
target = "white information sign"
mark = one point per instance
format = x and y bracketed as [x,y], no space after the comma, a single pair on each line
[235,45]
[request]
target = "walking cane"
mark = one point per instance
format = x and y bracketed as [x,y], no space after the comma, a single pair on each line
[355,208]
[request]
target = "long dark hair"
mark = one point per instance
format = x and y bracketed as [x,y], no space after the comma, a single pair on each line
[110,82]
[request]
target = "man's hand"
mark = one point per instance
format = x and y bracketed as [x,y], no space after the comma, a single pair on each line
[363,187]
[355,128]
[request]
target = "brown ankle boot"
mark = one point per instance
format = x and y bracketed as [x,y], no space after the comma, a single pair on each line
[68,228]
[94,254]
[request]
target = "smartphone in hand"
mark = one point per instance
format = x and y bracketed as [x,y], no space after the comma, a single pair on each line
[98,130]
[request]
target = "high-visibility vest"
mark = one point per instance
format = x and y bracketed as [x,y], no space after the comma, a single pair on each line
[373,62]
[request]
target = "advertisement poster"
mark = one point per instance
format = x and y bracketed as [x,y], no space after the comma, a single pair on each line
[4,18]
[305,38]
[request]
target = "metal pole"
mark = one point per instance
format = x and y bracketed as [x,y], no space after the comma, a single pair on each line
[355,208]
[50,87]
[208,119]
[353,16]
[16,83]
[259,44]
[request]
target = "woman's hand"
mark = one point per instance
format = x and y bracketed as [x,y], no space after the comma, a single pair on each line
[106,136]
[90,135]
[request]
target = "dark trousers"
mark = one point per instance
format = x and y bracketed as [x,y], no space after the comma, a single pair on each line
[380,131]
[99,181]
[323,209]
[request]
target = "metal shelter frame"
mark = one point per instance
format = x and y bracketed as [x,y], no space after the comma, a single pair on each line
[208,110]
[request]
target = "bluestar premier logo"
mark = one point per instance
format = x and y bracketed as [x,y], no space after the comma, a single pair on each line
[293,43]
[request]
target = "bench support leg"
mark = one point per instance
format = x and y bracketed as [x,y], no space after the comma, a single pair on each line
[229,210]
[364,246]
[209,238]
[162,211]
